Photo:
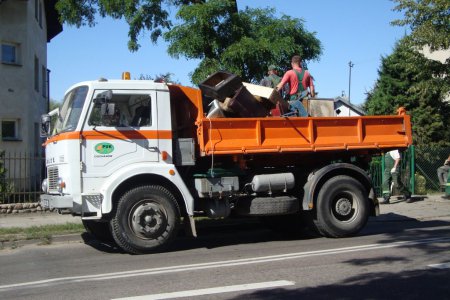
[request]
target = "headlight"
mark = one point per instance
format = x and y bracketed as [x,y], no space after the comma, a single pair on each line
[61,185]
[44,185]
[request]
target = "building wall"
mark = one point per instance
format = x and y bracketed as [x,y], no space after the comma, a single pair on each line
[22,23]
[342,110]
[440,55]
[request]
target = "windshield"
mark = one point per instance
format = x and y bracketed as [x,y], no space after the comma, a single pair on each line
[71,110]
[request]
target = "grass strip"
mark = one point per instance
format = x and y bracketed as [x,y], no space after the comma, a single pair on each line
[44,232]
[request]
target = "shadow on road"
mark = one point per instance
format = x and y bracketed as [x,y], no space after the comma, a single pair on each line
[409,285]
[224,233]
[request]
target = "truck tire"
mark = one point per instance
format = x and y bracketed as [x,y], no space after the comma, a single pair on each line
[265,206]
[99,230]
[146,219]
[342,207]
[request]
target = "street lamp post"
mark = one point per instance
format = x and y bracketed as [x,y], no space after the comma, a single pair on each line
[350,64]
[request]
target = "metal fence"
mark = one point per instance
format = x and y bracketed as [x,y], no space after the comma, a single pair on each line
[21,175]
[427,161]
[418,170]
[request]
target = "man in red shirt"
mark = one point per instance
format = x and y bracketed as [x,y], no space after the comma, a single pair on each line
[297,91]
[293,78]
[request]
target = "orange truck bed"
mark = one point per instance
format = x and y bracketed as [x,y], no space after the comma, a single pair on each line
[297,134]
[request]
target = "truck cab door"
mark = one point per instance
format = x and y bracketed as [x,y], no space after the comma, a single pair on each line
[118,132]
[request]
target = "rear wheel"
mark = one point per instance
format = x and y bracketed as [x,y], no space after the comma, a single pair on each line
[146,219]
[342,207]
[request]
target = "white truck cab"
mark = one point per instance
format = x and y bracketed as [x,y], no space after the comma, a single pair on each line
[109,133]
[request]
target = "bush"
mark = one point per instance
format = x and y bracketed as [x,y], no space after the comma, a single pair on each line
[5,188]
[420,185]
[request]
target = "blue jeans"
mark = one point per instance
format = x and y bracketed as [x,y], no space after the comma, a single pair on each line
[297,107]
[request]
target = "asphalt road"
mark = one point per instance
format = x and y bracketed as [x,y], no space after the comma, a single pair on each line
[390,259]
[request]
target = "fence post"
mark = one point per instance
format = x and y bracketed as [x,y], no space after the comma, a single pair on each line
[413,170]
[382,173]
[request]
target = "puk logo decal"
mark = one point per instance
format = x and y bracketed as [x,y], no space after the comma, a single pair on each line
[104,148]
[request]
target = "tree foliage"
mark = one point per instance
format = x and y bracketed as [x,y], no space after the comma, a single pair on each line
[212,31]
[141,15]
[244,43]
[429,21]
[162,77]
[407,78]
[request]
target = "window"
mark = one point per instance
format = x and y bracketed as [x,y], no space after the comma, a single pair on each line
[10,130]
[10,53]
[122,110]
[44,81]
[40,13]
[36,74]
[71,110]
[36,9]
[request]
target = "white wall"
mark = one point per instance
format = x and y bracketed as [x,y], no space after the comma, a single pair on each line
[345,111]
[18,97]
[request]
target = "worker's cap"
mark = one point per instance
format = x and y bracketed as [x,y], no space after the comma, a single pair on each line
[272,67]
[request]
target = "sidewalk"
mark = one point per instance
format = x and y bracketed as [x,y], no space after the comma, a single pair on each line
[432,207]
[36,219]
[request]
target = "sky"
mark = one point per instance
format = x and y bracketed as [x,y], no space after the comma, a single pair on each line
[349,30]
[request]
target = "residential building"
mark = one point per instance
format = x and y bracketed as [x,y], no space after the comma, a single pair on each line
[26,26]
[441,56]
[343,108]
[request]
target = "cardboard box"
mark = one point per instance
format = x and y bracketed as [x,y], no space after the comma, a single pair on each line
[319,107]
[264,92]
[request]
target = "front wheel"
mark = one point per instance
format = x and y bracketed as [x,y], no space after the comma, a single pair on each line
[342,207]
[146,219]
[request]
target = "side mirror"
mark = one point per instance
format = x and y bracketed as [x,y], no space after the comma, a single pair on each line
[46,120]
[45,125]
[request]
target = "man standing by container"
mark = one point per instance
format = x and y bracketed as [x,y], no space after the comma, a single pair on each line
[442,173]
[392,175]
[300,81]
[272,79]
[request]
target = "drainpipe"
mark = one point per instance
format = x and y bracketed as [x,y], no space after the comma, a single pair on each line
[48,90]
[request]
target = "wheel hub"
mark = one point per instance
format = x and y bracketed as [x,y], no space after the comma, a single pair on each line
[343,207]
[147,220]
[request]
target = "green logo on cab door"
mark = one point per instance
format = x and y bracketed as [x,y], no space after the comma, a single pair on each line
[104,148]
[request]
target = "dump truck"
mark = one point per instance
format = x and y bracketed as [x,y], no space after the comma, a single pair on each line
[138,159]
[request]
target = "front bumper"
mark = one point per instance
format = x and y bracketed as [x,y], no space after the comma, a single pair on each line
[56,201]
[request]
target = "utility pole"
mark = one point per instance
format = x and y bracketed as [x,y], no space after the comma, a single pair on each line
[350,65]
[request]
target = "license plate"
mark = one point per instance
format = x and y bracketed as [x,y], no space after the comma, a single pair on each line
[44,202]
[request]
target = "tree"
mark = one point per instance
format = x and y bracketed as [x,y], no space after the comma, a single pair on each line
[407,78]
[54,104]
[428,20]
[151,15]
[162,77]
[244,43]
[210,30]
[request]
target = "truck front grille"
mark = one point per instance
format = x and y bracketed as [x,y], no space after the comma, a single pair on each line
[53,176]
